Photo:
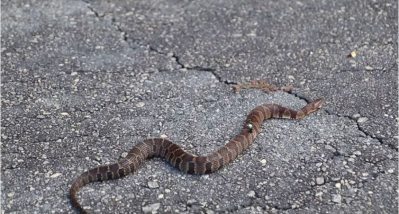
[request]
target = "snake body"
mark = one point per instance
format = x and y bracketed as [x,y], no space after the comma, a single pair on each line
[185,161]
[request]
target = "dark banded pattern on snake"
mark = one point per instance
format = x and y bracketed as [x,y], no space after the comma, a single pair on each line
[187,162]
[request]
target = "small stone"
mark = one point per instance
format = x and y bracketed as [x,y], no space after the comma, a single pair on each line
[64,114]
[336,198]
[40,117]
[357,153]
[353,54]
[251,194]
[390,171]
[368,68]
[210,98]
[328,147]
[338,185]
[160,196]
[320,180]
[11,194]
[351,160]
[124,154]
[263,162]
[140,104]
[208,211]
[164,136]
[151,208]
[153,184]
[167,190]
[74,73]
[55,175]
[362,119]
[356,116]
[191,201]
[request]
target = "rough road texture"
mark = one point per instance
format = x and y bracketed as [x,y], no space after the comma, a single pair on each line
[186,161]
[84,81]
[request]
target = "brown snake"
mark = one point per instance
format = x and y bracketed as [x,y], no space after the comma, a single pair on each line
[187,162]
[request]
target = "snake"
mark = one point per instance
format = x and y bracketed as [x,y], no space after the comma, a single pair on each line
[185,161]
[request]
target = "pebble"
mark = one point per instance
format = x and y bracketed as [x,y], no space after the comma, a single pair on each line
[368,68]
[191,201]
[208,211]
[210,98]
[390,171]
[263,162]
[251,194]
[124,154]
[153,184]
[357,153]
[140,104]
[362,119]
[336,198]
[164,136]
[328,147]
[151,208]
[64,113]
[356,116]
[353,54]
[55,175]
[320,180]
[40,117]
[338,185]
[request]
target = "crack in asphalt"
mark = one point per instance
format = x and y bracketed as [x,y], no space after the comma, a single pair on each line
[301,97]
[93,10]
[200,68]
[252,201]
[379,139]
[195,68]
[175,57]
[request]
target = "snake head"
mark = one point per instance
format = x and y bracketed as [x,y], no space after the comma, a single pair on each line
[318,103]
[315,105]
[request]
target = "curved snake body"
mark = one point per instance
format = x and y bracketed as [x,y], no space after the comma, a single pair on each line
[187,162]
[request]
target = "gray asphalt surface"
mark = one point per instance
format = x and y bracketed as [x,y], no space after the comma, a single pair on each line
[84,81]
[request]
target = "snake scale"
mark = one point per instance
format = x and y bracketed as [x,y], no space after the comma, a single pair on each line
[187,162]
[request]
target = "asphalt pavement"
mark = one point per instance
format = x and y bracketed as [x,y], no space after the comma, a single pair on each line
[82,82]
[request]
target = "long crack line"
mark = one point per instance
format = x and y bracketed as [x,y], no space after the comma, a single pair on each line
[361,129]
